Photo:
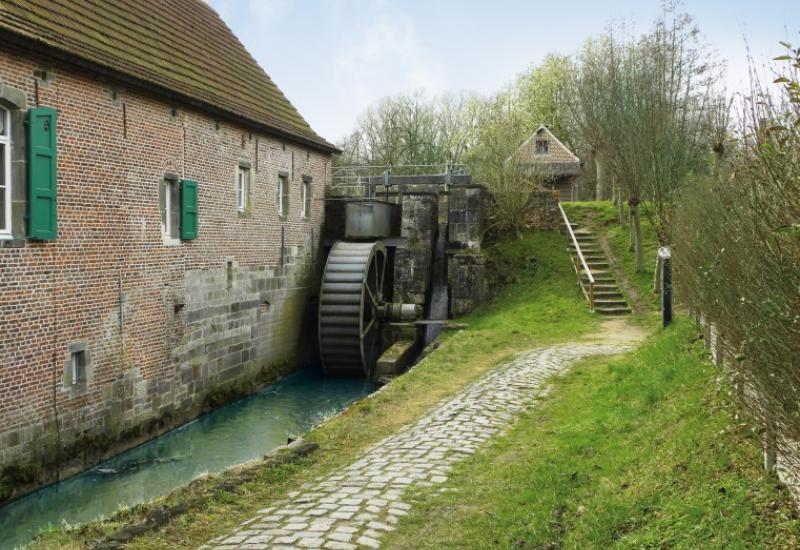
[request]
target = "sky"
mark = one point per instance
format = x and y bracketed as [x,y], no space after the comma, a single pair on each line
[334,58]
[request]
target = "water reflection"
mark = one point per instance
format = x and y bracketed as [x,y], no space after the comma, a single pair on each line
[239,432]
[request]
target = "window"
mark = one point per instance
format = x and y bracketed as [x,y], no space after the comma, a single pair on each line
[283,195]
[171,211]
[542,147]
[306,193]
[77,368]
[5,173]
[242,188]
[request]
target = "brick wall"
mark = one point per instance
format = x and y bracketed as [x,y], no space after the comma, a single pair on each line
[556,152]
[166,328]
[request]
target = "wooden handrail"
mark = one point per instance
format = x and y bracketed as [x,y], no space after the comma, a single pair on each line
[584,265]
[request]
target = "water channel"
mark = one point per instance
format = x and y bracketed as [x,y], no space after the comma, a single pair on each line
[236,433]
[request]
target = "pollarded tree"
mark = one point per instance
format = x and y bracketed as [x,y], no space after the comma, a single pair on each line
[645,105]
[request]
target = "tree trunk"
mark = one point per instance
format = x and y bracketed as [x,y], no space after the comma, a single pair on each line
[631,233]
[600,185]
[637,233]
[620,201]
[657,275]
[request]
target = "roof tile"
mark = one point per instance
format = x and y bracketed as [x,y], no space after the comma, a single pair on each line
[182,46]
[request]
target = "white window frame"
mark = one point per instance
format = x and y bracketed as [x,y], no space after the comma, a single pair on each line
[5,142]
[242,188]
[168,238]
[306,197]
[283,190]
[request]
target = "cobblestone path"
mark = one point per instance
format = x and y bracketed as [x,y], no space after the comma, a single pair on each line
[356,505]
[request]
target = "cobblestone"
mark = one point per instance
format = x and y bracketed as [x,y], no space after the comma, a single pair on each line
[360,503]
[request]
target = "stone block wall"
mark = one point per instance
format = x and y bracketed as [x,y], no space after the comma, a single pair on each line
[427,208]
[466,272]
[414,261]
[166,326]
[466,223]
[543,213]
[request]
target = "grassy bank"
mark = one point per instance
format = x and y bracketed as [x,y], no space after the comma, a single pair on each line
[540,304]
[638,451]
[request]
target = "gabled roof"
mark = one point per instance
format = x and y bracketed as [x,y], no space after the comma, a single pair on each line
[543,128]
[557,161]
[178,47]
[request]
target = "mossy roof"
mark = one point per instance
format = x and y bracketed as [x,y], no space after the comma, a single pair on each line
[179,46]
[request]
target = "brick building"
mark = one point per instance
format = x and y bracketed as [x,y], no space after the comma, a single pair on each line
[160,207]
[544,155]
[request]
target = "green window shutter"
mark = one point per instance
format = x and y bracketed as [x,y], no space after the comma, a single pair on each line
[188,210]
[42,218]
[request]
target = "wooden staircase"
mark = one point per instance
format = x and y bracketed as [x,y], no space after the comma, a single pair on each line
[594,272]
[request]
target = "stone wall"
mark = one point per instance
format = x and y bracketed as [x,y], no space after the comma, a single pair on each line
[427,208]
[466,222]
[166,326]
[414,261]
[466,272]
[543,213]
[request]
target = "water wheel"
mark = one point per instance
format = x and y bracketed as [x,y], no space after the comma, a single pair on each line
[352,301]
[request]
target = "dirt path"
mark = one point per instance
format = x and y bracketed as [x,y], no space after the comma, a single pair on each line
[617,330]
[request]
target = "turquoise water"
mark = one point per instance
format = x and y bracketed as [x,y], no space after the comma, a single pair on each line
[233,434]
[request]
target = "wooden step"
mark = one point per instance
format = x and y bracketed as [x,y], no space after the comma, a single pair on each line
[607,293]
[613,310]
[606,302]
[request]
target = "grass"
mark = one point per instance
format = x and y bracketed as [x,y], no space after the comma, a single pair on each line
[637,451]
[603,217]
[538,304]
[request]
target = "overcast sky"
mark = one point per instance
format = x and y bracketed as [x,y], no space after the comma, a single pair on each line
[333,58]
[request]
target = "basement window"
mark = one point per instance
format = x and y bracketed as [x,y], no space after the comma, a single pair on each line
[76,368]
[542,147]
[78,361]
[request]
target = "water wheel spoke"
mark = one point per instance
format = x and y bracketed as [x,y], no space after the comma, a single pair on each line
[371,295]
[381,279]
[368,328]
[377,280]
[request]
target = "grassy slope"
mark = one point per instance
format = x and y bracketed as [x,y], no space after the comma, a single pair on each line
[542,305]
[604,219]
[630,452]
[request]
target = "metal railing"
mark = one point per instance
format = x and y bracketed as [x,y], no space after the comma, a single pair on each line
[580,262]
[359,176]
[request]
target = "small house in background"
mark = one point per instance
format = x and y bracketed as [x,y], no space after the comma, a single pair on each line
[544,155]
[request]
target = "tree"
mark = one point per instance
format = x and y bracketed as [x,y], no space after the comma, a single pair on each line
[645,106]
[409,129]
